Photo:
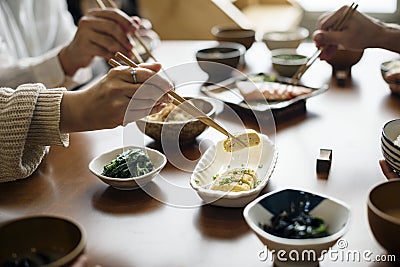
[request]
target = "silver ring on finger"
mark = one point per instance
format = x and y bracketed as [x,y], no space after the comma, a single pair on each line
[133,73]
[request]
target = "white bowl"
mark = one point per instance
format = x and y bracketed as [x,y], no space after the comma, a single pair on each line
[390,151]
[261,158]
[335,214]
[97,164]
[285,39]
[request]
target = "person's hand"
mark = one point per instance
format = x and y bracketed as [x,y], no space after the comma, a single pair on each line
[146,29]
[100,33]
[359,32]
[118,97]
[394,81]
[387,171]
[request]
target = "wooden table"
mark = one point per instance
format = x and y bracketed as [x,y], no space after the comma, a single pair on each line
[130,228]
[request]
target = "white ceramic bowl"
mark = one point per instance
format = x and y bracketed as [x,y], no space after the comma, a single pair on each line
[261,158]
[96,167]
[285,39]
[335,214]
[390,151]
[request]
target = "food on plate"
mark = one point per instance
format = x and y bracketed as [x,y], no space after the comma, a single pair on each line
[289,57]
[170,113]
[261,77]
[247,139]
[131,163]
[272,91]
[236,180]
[297,227]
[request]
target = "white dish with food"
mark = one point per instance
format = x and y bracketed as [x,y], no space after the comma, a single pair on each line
[217,164]
[158,161]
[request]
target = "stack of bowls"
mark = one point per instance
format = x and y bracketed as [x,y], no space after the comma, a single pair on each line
[389,146]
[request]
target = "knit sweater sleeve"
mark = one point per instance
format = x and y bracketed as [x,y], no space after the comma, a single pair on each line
[29,121]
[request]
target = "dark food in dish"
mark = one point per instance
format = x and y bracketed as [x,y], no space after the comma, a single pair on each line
[299,227]
[131,163]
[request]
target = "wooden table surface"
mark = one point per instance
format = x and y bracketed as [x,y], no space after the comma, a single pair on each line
[131,228]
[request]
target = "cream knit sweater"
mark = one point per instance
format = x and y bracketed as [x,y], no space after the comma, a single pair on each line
[29,121]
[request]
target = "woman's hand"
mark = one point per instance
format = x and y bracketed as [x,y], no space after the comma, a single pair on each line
[359,32]
[115,99]
[100,33]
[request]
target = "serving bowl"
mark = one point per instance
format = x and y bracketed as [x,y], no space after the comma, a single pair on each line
[40,241]
[287,61]
[336,216]
[389,67]
[215,160]
[234,34]
[384,215]
[185,131]
[391,151]
[96,166]
[220,60]
[285,39]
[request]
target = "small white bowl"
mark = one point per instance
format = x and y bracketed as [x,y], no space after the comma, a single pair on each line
[336,216]
[285,39]
[97,164]
[261,158]
[390,151]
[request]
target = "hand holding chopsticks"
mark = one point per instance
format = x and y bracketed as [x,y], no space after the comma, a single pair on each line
[180,101]
[338,26]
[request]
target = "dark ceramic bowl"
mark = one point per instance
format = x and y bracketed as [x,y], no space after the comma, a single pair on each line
[384,215]
[219,61]
[40,241]
[234,34]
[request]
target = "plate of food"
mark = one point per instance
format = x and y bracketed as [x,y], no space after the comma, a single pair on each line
[261,92]
[128,167]
[233,172]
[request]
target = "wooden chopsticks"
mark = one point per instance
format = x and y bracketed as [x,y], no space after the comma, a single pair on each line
[180,101]
[338,26]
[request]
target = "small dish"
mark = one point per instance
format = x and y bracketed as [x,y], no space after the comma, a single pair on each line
[335,214]
[234,34]
[185,131]
[97,164]
[41,240]
[389,67]
[391,151]
[285,39]
[215,160]
[384,215]
[287,61]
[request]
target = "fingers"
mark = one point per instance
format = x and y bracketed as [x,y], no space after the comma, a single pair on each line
[387,171]
[82,261]
[132,115]
[327,22]
[127,23]
[156,67]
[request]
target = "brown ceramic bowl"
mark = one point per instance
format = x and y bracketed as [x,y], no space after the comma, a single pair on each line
[384,214]
[344,59]
[185,130]
[219,61]
[234,34]
[40,241]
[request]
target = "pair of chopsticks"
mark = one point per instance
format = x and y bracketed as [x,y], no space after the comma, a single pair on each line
[180,101]
[338,26]
[112,4]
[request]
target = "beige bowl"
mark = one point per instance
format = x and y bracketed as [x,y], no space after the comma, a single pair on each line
[384,214]
[40,241]
[287,61]
[285,39]
[186,131]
